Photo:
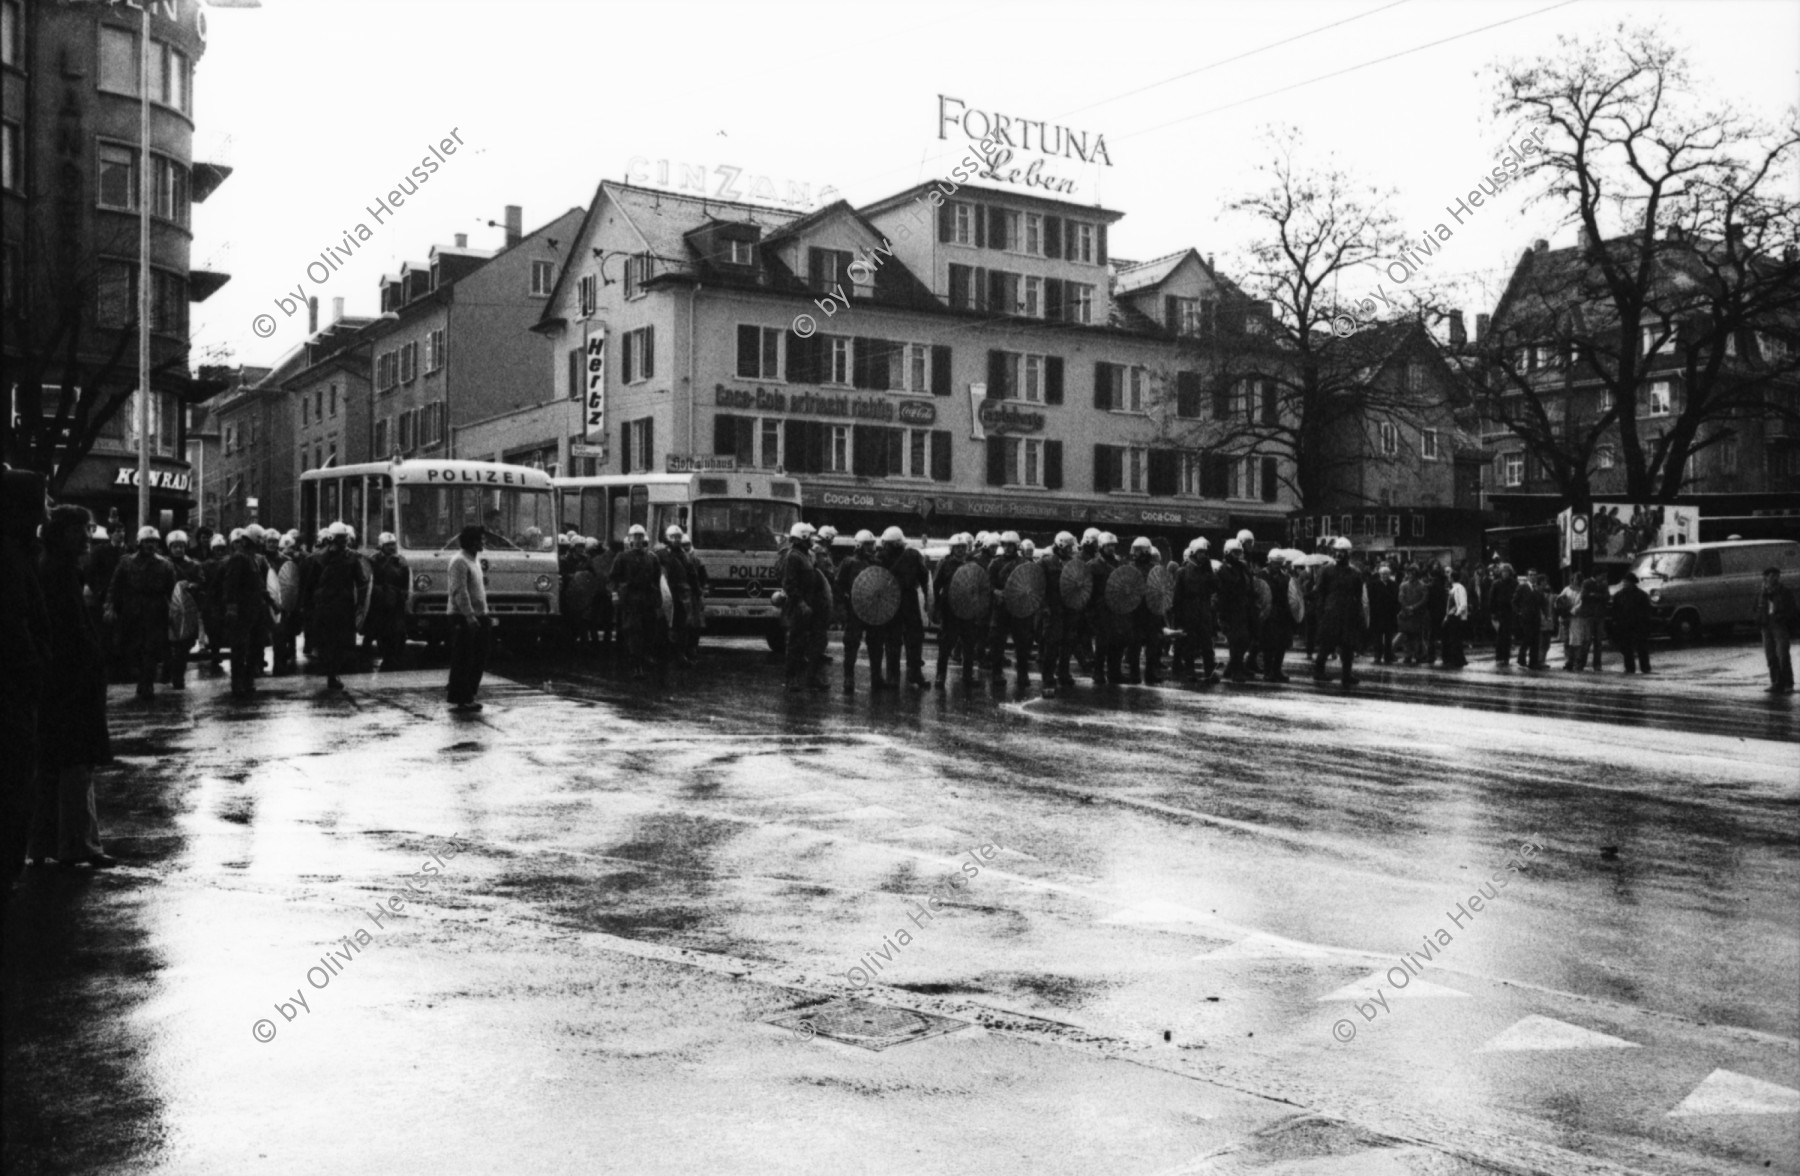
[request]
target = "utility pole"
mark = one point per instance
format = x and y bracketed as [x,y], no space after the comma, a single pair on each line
[143,299]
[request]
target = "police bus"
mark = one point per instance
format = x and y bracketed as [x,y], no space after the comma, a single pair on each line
[425,503]
[738,521]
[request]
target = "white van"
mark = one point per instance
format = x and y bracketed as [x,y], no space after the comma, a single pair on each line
[1709,587]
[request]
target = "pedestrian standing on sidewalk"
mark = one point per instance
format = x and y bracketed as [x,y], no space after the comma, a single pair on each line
[1594,599]
[1456,622]
[1631,624]
[1499,600]
[1384,613]
[1528,620]
[469,621]
[1778,615]
[1413,597]
[73,739]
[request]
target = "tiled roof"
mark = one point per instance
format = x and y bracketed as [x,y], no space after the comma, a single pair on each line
[1130,277]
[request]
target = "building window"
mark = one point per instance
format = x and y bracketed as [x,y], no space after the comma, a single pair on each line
[172,80]
[381,438]
[770,454]
[639,268]
[837,356]
[839,450]
[962,224]
[1080,236]
[118,60]
[1034,234]
[1728,455]
[1022,461]
[918,367]
[758,353]
[543,277]
[1512,469]
[434,350]
[1031,379]
[1428,444]
[1031,297]
[637,355]
[1605,457]
[1773,348]
[1415,377]
[1390,439]
[409,362]
[588,295]
[743,252]
[12,24]
[1120,388]
[1658,341]
[304,408]
[331,402]
[1662,394]
[11,164]
[170,185]
[1080,303]
[1194,316]
[118,184]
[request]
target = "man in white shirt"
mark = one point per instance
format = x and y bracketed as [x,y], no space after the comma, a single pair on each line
[1456,622]
[469,621]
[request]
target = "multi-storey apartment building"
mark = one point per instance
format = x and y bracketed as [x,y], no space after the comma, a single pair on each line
[71,166]
[940,359]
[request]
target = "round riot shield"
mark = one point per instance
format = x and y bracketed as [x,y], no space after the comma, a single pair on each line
[875,596]
[970,596]
[1124,589]
[1077,584]
[1024,591]
[1159,590]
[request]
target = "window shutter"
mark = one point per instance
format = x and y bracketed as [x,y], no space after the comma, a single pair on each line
[940,455]
[997,228]
[648,457]
[881,353]
[1053,297]
[649,353]
[859,361]
[625,361]
[997,389]
[1164,472]
[1187,395]
[1221,399]
[1103,475]
[815,268]
[793,443]
[1053,243]
[980,228]
[940,371]
[1171,314]
[946,222]
[1053,379]
[749,355]
[576,386]
[1271,479]
[959,287]
[1102,386]
[818,444]
[746,441]
[1053,465]
[624,445]
[724,434]
[996,293]
[895,464]
[979,287]
[996,461]
[868,451]
[1100,244]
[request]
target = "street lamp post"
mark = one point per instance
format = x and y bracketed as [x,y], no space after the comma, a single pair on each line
[143,299]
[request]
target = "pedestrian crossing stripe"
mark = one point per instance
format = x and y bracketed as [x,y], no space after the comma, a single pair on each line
[1540,1033]
[1263,946]
[1726,1092]
[1378,981]
[868,812]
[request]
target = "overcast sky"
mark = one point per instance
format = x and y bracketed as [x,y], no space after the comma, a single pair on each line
[322,105]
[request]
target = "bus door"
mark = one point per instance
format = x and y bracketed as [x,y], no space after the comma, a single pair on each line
[629,508]
[353,508]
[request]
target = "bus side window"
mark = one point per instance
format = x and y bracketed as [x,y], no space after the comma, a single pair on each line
[593,511]
[640,506]
[1709,563]
[309,509]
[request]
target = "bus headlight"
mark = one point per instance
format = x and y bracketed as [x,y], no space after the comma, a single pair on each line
[544,583]
[422,582]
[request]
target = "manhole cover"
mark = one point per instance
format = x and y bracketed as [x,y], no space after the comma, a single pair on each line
[870,1026]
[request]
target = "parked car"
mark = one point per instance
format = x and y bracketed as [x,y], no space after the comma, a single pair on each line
[1709,587]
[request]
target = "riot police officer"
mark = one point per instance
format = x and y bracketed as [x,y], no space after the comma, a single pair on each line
[1002,624]
[1192,613]
[1143,638]
[803,611]
[637,574]
[908,567]
[853,566]
[956,637]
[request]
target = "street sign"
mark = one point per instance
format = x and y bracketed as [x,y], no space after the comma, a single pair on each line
[1578,532]
[587,449]
[695,463]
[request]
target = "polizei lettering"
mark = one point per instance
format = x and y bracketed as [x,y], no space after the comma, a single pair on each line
[494,477]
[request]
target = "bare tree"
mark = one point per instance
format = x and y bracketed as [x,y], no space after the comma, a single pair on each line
[1702,288]
[1283,384]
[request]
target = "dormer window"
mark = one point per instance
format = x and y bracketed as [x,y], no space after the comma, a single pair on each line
[743,253]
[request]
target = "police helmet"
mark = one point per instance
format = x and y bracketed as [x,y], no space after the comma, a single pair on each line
[218,541]
[148,532]
[673,534]
[99,535]
[253,533]
[1027,548]
[1142,543]
[959,540]
[1091,535]
[893,535]
[1340,544]
[288,542]
[827,532]
[1108,539]
[178,537]
[1245,536]
[236,534]
[1234,545]
[636,530]
[1010,538]
[864,536]
[797,531]
[1064,539]
[385,538]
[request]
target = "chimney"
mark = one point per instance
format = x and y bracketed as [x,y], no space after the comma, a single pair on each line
[1482,322]
[337,309]
[1459,336]
[312,316]
[462,240]
[515,223]
[1540,245]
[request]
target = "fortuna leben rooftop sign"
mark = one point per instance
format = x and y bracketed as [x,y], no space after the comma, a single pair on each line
[1011,133]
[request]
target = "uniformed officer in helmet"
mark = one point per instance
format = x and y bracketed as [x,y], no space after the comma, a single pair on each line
[1055,630]
[908,626]
[1191,611]
[637,575]
[1237,603]
[1002,625]
[956,637]
[1343,612]
[1143,635]
[854,565]
[1107,627]
[803,611]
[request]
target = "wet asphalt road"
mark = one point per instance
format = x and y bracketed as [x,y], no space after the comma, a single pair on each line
[1196,930]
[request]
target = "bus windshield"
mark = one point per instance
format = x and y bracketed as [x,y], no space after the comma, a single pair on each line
[1664,565]
[514,518]
[742,525]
